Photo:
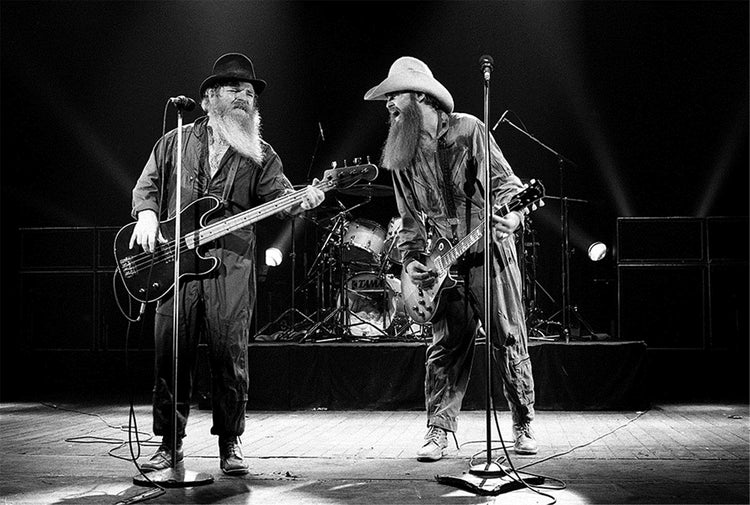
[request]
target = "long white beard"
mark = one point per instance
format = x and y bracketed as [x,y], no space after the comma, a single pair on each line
[403,142]
[241,130]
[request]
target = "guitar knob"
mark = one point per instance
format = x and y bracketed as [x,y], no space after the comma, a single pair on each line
[142,290]
[421,302]
[429,308]
[155,285]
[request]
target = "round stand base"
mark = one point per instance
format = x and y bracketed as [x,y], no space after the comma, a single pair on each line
[488,470]
[174,477]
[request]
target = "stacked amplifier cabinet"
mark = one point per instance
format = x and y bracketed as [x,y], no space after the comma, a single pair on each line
[68,299]
[683,281]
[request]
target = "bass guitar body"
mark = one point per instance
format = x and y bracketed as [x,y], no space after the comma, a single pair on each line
[149,277]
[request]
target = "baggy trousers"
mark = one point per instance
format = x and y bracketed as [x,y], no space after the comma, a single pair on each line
[219,307]
[450,355]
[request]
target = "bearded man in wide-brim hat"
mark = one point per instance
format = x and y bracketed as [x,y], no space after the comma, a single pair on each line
[436,157]
[223,155]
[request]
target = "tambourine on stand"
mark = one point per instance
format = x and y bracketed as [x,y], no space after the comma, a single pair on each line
[357,279]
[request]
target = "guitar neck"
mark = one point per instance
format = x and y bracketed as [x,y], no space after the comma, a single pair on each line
[250,216]
[445,261]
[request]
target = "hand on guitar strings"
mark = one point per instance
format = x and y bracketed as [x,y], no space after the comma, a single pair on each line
[312,196]
[421,275]
[504,227]
[145,231]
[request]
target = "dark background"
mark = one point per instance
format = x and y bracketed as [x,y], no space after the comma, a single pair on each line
[649,100]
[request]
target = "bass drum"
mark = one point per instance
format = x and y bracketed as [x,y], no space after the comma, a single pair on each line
[365,304]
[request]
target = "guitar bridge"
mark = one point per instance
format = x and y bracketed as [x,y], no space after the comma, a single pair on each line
[127,269]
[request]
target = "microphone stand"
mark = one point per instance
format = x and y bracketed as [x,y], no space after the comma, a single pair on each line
[566,309]
[177,475]
[489,477]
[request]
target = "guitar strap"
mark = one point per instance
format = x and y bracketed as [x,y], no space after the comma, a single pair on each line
[450,203]
[228,184]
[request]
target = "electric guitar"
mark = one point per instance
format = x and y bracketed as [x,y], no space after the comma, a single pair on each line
[421,303]
[149,276]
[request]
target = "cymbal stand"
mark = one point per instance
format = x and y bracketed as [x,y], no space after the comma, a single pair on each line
[292,310]
[324,265]
[532,286]
[566,310]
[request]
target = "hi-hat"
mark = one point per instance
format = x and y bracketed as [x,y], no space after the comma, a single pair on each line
[375,190]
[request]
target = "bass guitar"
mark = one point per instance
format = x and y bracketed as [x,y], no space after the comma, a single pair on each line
[421,303]
[149,276]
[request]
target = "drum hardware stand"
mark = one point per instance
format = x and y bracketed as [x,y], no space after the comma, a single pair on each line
[567,310]
[340,315]
[332,240]
[292,310]
[534,319]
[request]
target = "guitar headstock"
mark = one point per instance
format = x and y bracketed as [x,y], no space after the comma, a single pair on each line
[532,194]
[343,177]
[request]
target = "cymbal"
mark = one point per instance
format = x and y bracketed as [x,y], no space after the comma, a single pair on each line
[376,190]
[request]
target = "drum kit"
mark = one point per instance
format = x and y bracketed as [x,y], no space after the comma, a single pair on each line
[356,277]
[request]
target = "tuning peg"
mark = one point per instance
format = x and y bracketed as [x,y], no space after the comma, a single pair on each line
[368,160]
[333,164]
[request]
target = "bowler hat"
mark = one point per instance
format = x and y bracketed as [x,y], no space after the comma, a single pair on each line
[410,74]
[233,67]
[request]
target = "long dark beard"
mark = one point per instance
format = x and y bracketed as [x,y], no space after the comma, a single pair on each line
[241,129]
[402,144]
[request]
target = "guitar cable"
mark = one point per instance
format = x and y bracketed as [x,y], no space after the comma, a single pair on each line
[132,420]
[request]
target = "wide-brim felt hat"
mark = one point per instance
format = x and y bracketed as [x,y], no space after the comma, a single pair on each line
[410,74]
[233,67]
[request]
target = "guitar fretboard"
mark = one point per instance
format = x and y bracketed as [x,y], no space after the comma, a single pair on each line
[250,216]
[444,262]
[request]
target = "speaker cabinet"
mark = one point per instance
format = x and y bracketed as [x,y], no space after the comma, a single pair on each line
[58,311]
[57,248]
[727,238]
[728,298]
[660,239]
[663,305]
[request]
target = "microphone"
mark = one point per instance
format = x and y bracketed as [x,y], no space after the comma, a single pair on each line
[320,128]
[183,102]
[499,120]
[486,62]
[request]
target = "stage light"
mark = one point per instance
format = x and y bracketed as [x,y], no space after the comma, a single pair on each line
[273,257]
[597,251]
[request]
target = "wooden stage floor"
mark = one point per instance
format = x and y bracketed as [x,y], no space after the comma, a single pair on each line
[670,454]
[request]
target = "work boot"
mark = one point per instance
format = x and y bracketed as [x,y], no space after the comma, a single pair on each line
[435,445]
[162,458]
[524,441]
[230,452]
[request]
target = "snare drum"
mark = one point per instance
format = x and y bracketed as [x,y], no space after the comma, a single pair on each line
[363,242]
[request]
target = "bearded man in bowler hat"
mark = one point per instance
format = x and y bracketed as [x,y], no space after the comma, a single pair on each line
[224,155]
[436,157]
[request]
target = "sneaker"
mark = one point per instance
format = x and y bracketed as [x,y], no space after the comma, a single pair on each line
[230,452]
[435,445]
[162,458]
[524,441]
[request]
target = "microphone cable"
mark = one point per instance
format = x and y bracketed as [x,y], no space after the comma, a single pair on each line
[132,418]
